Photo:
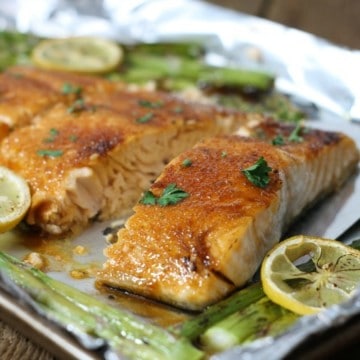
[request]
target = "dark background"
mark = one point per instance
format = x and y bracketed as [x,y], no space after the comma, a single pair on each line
[334,20]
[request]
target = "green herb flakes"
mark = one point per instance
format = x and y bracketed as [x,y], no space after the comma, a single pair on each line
[171,195]
[148,198]
[178,110]
[150,104]
[278,140]
[68,89]
[49,153]
[223,154]
[53,134]
[186,163]
[73,138]
[77,106]
[145,118]
[295,135]
[258,174]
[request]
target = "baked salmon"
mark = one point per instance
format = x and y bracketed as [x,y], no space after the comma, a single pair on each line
[92,159]
[21,99]
[56,80]
[27,92]
[204,226]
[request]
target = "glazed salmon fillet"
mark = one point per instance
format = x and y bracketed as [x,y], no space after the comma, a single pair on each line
[27,92]
[21,99]
[211,241]
[57,79]
[93,161]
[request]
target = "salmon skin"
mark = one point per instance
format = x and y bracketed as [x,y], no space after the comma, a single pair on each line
[195,252]
[90,157]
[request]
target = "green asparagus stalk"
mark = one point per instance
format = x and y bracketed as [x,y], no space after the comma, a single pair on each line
[280,325]
[233,77]
[195,326]
[240,300]
[144,67]
[125,332]
[187,50]
[15,48]
[247,325]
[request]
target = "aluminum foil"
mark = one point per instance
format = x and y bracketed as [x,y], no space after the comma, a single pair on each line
[312,70]
[304,65]
[278,348]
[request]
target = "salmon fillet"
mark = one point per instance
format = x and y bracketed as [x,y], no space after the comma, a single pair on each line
[55,80]
[27,92]
[93,161]
[195,252]
[21,99]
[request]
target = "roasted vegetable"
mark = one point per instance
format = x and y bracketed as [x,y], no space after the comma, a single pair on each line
[124,332]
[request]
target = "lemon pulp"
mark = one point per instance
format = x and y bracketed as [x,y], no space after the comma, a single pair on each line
[78,54]
[14,199]
[307,274]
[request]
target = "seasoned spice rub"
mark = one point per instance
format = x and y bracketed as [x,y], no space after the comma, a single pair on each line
[21,99]
[27,92]
[206,223]
[92,158]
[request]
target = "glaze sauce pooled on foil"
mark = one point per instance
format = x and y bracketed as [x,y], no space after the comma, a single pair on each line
[63,256]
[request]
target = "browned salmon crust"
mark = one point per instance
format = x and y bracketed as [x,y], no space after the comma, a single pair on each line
[93,160]
[22,98]
[27,92]
[55,80]
[194,253]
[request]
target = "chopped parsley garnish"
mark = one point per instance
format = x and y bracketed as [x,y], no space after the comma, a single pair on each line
[50,153]
[145,118]
[68,89]
[278,140]
[150,104]
[53,133]
[178,110]
[77,105]
[295,135]
[187,162]
[73,138]
[223,154]
[171,195]
[258,173]
[148,198]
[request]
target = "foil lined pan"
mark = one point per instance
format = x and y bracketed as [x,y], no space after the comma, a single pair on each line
[306,67]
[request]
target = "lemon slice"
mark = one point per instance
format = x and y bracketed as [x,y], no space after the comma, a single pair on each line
[307,274]
[78,54]
[14,199]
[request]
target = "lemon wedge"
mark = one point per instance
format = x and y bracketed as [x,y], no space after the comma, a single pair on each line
[306,274]
[14,199]
[87,55]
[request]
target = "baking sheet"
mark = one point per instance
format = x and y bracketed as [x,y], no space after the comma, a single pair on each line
[309,72]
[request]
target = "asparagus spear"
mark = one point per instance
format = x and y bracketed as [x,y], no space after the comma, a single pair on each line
[247,325]
[237,302]
[194,327]
[187,50]
[233,77]
[144,67]
[15,48]
[125,332]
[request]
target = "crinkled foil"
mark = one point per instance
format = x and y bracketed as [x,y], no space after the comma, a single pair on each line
[306,67]
[278,348]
